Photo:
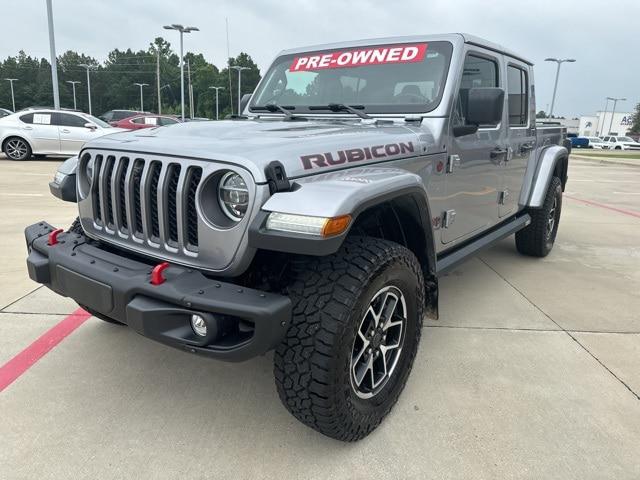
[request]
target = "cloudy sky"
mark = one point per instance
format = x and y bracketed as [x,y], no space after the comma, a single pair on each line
[603,39]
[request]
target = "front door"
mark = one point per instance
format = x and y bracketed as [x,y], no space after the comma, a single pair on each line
[73,133]
[521,136]
[473,171]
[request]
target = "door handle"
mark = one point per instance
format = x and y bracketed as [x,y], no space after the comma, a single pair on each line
[27,128]
[526,147]
[498,152]
[64,130]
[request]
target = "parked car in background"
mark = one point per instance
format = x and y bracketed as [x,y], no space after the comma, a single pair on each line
[113,116]
[621,143]
[49,132]
[4,112]
[145,121]
[595,142]
[578,142]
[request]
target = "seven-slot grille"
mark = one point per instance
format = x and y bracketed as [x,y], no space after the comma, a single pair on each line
[150,201]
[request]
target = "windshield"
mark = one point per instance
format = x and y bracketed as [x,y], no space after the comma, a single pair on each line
[625,139]
[407,78]
[97,121]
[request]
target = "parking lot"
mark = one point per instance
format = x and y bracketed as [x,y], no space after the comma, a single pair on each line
[531,371]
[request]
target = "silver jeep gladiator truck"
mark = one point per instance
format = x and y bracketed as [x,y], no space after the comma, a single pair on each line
[317,222]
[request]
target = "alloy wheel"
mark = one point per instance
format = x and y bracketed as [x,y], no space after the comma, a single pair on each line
[378,343]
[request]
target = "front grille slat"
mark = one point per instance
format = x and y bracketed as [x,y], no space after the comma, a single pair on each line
[192,214]
[144,202]
[147,201]
[170,202]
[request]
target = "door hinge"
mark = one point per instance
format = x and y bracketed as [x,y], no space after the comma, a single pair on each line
[448,218]
[453,162]
[502,198]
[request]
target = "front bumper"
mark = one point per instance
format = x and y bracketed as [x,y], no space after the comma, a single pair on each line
[244,322]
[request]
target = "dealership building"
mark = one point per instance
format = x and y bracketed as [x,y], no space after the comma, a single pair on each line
[605,123]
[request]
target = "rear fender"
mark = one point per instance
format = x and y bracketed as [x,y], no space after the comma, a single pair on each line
[553,162]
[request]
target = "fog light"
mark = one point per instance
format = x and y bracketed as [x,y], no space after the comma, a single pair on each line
[199,325]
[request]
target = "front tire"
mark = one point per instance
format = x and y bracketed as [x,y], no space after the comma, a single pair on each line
[538,237]
[16,148]
[356,326]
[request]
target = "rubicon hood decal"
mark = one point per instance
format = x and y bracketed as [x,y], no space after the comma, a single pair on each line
[320,160]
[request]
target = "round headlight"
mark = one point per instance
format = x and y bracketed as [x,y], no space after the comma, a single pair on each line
[233,196]
[88,169]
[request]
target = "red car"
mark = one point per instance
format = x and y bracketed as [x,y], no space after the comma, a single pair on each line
[145,121]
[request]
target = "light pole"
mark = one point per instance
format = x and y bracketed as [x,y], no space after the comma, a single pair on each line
[615,102]
[604,118]
[239,70]
[216,89]
[54,63]
[88,67]
[182,30]
[141,97]
[73,84]
[13,99]
[555,88]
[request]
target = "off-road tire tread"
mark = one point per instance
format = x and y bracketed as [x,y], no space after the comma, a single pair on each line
[76,227]
[323,291]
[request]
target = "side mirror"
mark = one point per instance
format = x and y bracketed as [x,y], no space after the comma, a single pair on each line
[90,126]
[485,105]
[244,101]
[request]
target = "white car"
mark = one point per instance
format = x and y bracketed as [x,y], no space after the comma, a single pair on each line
[49,132]
[595,142]
[621,143]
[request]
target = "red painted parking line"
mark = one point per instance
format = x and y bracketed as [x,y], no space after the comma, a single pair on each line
[19,364]
[631,213]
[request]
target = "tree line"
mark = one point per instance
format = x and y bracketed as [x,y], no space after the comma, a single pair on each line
[112,81]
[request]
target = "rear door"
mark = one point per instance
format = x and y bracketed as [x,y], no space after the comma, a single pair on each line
[521,135]
[42,132]
[473,172]
[73,133]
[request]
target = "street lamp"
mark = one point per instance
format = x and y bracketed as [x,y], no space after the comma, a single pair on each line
[13,99]
[88,67]
[216,89]
[239,70]
[182,30]
[555,88]
[615,101]
[141,97]
[604,119]
[73,84]
[54,63]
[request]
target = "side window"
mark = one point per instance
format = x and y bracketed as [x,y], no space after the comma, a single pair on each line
[139,120]
[28,118]
[69,120]
[517,91]
[167,121]
[477,72]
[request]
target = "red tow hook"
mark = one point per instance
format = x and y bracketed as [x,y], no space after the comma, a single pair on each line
[157,276]
[53,236]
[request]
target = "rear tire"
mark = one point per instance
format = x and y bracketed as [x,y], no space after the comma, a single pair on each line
[538,237]
[16,148]
[338,370]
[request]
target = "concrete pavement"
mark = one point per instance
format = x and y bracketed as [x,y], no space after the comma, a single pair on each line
[531,372]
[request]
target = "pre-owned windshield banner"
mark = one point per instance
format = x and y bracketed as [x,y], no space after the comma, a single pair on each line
[360,57]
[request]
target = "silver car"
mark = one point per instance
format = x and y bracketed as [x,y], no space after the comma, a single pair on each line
[49,132]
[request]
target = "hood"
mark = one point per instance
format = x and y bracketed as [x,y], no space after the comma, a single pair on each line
[303,147]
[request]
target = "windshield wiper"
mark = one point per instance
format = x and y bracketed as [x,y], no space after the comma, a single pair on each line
[274,107]
[341,107]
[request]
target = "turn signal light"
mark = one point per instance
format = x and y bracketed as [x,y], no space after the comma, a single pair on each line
[308,225]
